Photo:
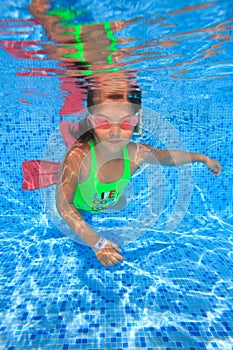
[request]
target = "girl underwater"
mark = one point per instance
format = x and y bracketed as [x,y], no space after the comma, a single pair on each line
[98,167]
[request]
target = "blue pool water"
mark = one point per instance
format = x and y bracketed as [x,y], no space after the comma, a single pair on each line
[174,290]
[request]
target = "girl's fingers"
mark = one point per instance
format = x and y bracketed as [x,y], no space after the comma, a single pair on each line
[113,245]
[215,169]
[113,261]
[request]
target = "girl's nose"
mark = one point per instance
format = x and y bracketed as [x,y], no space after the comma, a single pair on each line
[115,129]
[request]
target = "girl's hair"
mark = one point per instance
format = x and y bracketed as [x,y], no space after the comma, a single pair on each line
[85,130]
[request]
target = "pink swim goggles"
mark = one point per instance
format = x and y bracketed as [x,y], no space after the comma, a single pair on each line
[103,123]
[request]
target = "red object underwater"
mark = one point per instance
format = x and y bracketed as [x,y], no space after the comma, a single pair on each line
[43,173]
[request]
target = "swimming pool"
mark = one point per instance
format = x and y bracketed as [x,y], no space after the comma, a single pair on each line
[174,289]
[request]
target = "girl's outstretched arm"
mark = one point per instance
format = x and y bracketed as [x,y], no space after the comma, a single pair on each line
[175,157]
[107,252]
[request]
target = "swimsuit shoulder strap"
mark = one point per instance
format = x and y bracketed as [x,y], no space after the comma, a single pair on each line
[93,156]
[127,172]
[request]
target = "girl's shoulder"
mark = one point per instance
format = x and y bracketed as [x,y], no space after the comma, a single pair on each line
[139,152]
[77,151]
[136,154]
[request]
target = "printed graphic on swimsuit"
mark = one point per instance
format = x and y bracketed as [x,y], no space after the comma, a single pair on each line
[103,200]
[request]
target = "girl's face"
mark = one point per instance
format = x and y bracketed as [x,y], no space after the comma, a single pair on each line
[113,125]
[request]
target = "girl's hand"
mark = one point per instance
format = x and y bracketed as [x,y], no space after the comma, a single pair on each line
[108,255]
[214,166]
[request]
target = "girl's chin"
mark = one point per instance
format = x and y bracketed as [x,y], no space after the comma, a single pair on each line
[114,141]
[113,146]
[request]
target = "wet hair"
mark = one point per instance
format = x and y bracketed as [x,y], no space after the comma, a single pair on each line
[85,130]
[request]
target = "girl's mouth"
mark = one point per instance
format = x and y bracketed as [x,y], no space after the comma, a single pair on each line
[114,141]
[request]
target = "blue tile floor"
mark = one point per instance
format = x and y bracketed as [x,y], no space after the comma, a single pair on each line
[171,292]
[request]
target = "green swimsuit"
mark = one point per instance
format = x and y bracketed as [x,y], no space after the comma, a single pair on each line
[95,196]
